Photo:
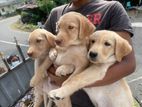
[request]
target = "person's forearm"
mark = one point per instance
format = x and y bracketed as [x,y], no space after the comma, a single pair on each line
[116,72]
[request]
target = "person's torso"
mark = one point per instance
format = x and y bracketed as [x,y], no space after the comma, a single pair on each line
[98,12]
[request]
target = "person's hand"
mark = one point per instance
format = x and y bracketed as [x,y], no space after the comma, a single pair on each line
[97,83]
[52,70]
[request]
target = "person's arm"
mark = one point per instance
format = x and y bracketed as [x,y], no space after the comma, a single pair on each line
[49,24]
[121,69]
[55,14]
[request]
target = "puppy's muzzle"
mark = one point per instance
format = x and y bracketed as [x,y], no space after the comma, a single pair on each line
[93,55]
[58,41]
[30,54]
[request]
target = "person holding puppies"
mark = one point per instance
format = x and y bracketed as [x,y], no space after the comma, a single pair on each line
[105,15]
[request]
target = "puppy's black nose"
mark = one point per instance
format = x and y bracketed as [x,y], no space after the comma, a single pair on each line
[92,54]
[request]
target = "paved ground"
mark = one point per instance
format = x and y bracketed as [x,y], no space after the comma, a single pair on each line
[135,80]
[7,45]
[7,35]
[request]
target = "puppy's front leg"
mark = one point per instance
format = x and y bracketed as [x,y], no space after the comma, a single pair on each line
[38,98]
[40,72]
[77,82]
[75,72]
[78,68]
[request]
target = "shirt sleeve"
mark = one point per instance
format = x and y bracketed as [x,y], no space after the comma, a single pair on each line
[120,20]
[51,22]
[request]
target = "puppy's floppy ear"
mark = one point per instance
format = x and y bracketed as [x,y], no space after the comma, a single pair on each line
[86,27]
[49,37]
[51,40]
[122,48]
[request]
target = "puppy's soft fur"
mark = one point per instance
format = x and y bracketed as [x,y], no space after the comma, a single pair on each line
[40,43]
[74,30]
[106,47]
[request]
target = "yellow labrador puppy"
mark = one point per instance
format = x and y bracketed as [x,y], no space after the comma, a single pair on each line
[106,47]
[40,43]
[74,30]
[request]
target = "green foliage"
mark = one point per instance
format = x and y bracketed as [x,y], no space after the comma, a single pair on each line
[29,17]
[23,14]
[47,5]
[32,16]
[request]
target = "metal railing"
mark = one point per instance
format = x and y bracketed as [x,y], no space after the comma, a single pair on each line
[14,83]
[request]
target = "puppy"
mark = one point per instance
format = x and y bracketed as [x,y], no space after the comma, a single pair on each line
[40,43]
[74,30]
[106,47]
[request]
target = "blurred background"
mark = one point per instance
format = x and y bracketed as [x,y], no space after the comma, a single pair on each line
[17,19]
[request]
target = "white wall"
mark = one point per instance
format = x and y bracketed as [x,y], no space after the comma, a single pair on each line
[7,9]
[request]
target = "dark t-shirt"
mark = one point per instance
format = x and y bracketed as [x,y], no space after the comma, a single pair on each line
[109,15]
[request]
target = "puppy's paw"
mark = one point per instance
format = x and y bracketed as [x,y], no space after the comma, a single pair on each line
[64,70]
[56,94]
[53,54]
[60,72]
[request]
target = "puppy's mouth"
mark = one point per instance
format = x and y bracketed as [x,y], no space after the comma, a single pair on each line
[60,43]
[95,61]
[33,56]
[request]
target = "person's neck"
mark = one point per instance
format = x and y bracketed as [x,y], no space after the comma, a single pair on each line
[77,4]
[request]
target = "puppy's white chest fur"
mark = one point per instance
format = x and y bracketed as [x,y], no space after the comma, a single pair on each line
[73,55]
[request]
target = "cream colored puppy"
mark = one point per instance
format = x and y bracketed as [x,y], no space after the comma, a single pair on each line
[74,30]
[40,43]
[106,47]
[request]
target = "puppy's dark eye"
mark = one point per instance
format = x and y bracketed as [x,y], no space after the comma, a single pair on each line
[38,40]
[70,27]
[107,44]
